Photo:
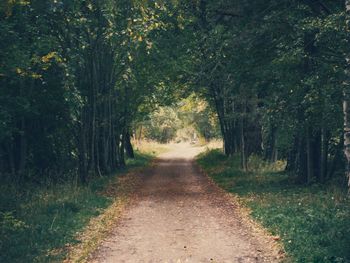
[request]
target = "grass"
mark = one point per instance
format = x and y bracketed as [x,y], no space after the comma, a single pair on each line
[151,147]
[38,223]
[311,221]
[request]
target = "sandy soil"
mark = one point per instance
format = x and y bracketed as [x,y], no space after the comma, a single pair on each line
[178,215]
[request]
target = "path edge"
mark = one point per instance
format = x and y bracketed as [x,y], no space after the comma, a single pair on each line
[244,213]
[122,189]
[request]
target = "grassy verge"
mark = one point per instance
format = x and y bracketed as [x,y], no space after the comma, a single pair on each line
[311,221]
[151,147]
[38,223]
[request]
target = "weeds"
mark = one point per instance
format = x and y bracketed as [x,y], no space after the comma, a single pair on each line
[37,222]
[311,221]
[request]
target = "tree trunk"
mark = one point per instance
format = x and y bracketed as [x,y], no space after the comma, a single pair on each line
[346,110]
[317,154]
[82,152]
[301,161]
[11,158]
[337,161]
[292,155]
[324,155]
[244,160]
[128,146]
[221,116]
[310,156]
[346,102]
[92,166]
[22,148]
[270,147]
[121,151]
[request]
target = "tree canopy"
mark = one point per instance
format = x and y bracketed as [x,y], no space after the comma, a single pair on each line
[77,76]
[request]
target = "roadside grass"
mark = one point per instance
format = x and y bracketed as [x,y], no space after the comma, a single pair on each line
[213,144]
[151,147]
[311,221]
[39,222]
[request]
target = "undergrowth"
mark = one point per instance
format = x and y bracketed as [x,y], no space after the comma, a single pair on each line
[37,222]
[311,221]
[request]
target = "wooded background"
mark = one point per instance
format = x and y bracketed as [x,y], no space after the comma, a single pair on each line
[76,77]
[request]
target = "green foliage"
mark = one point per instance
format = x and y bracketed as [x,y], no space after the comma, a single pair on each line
[197,114]
[162,125]
[38,222]
[74,76]
[77,76]
[185,120]
[49,219]
[274,73]
[312,222]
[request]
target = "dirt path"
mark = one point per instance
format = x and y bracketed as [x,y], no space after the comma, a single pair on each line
[179,216]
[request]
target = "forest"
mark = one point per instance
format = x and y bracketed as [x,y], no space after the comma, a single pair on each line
[77,75]
[81,80]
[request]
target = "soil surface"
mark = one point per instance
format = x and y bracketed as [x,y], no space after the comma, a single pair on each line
[179,215]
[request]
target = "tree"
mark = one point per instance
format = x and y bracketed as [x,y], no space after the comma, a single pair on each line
[346,105]
[74,75]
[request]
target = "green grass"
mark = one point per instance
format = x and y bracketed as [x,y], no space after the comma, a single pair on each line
[38,222]
[313,222]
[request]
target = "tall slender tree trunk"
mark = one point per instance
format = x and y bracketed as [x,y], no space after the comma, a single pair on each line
[243,146]
[270,149]
[22,148]
[82,150]
[346,101]
[324,155]
[301,160]
[92,168]
[310,156]
[221,115]
[244,157]
[128,146]
[293,155]
[346,110]
[122,150]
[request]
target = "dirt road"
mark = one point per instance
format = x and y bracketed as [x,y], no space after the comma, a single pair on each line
[178,215]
